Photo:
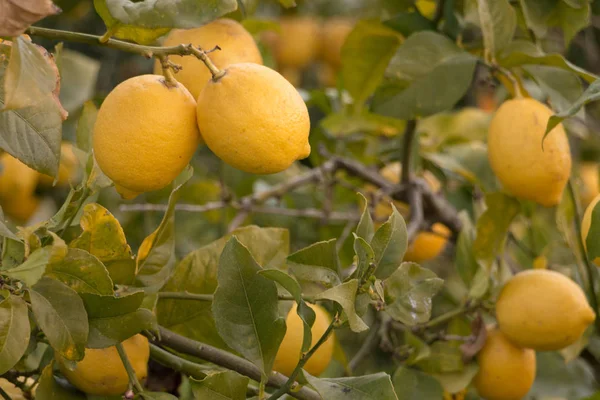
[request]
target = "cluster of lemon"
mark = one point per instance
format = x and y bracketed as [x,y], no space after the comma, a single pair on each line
[251,117]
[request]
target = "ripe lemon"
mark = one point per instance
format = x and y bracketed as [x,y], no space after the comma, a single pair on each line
[428,245]
[254,120]
[288,354]
[297,43]
[68,169]
[13,392]
[236,43]
[506,371]
[101,371]
[516,155]
[17,186]
[334,34]
[21,207]
[543,310]
[590,187]
[145,134]
[586,224]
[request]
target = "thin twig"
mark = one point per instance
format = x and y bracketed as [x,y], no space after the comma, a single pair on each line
[439,12]
[407,140]
[172,361]
[210,297]
[367,346]
[467,308]
[129,368]
[415,202]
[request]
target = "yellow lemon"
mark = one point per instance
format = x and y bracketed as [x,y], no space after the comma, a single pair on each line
[288,354]
[254,120]
[297,43]
[428,245]
[17,186]
[235,42]
[13,392]
[426,8]
[543,310]
[101,371]
[68,169]
[145,134]
[334,34]
[590,182]
[506,371]
[540,262]
[586,224]
[21,207]
[516,155]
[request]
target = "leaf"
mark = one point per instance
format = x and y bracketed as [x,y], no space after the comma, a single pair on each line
[428,74]
[562,87]
[389,244]
[17,15]
[146,395]
[366,257]
[60,313]
[542,15]
[466,263]
[82,272]
[245,307]
[408,23]
[32,134]
[367,387]
[498,24]
[5,230]
[493,225]
[555,378]
[85,126]
[14,331]
[376,44]
[592,244]
[197,273]
[445,357]
[342,124]
[454,382]
[78,74]
[225,385]
[592,93]
[345,296]
[104,238]
[32,270]
[412,384]
[316,263]
[365,228]
[156,256]
[143,22]
[114,319]
[50,389]
[409,292]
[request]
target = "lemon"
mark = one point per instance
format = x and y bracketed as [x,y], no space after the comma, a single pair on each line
[297,43]
[145,134]
[254,120]
[101,371]
[21,207]
[235,42]
[13,392]
[543,310]
[333,35]
[426,8]
[540,262]
[516,155]
[17,187]
[506,371]
[67,171]
[590,187]
[586,224]
[428,245]
[288,354]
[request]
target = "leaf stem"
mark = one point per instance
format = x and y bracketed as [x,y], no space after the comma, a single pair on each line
[82,199]
[130,371]
[407,140]
[450,314]
[303,360]
[209,297]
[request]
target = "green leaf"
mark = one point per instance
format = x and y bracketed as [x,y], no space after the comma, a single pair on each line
[225,385]
[288,3]
[197,273]
[408,23]
[114,319]
[562,87]
[418,349]
[412,384]
[32,270]
[498,24]
[143,22]
[365,55]
[85,126]
[555,378]
[14,331]
[445,357]
[365,255]
[78,74]
[592,93]
[389,244]
[156,256]
[493,225]
[60,313]
[5,231]
[82,272]
[13,254]
[155,396]
[466,263]
[343,124]
[542,15]
[245,307]
[592,243]
[367,387]
[409,292]
[345,296]
[306,314]
[256,26]
[429,74]
[316,263]
[454,382]
[365,228]
[50,389]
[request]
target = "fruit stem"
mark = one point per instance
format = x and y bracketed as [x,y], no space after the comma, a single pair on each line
[130,371]
[201,54]
[167,69]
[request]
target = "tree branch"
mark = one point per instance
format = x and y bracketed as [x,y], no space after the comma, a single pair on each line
[210,297]
[230,361]
[407,140]
[439,12]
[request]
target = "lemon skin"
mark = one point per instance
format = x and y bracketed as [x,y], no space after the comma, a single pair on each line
[586,223]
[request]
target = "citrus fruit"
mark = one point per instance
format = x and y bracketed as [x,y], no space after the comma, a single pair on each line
[586,224]
[101,371]
[590,187]
[525,169]
[288,354]
[253,119]
[145,134]
[297,43]
[235,42]
[11,390]
[67,171]
[426,8]
[21,207]
[17,187]
[333,35]
[428,245]
[543,310]
[506,371]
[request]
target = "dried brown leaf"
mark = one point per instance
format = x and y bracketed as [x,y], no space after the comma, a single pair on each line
[17,15]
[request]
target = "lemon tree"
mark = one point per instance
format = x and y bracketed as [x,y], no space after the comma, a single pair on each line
[330,200]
